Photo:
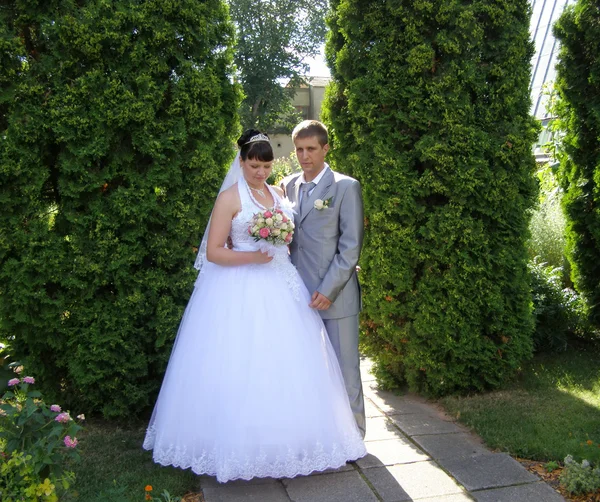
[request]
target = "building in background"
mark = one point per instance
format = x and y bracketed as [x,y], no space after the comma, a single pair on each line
[307,100]
[543,71]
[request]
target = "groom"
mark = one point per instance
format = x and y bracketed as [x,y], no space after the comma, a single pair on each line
[326,247]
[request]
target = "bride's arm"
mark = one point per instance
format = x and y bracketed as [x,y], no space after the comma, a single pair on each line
[225,209]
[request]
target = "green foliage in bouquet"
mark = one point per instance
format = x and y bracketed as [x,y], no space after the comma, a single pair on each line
[429,110]
[116,124]
[578,108]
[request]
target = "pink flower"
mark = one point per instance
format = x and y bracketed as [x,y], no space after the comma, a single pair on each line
[63,417]
[29,379]
[70,443]
[268,214]
[264,232]
[284,219]
[288,238]
[279,211]
[55,408]
[13,381]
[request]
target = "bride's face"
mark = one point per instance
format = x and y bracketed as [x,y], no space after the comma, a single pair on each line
[256,172]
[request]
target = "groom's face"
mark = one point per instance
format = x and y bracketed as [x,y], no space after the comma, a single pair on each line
[311,156]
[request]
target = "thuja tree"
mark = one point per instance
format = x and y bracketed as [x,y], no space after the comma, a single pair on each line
[578,86]
[429,110]
[116,122]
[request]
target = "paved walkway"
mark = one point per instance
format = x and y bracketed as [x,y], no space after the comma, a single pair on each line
[415,453]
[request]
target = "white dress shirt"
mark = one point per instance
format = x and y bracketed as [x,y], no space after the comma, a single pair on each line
[315,181]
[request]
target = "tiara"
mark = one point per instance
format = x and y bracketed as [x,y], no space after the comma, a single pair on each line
[257,137]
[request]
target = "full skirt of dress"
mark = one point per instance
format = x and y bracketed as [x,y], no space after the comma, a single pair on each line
[253,387]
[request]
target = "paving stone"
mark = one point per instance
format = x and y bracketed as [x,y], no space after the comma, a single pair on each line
[533,492]
[390,452]
[367,376]
[450,445]
[458,497]
[344,468]
[420,424]
[366,365]
[371,410]
[381,428]
[245,491]
[206,481]
[337,487]
[393,404]
[487,471]
[406,482]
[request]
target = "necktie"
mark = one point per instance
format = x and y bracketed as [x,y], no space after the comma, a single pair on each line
[305,188]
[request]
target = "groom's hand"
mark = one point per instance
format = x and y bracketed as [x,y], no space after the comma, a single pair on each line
[319,301]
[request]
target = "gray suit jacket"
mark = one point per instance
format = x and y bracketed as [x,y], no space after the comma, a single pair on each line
[327,242]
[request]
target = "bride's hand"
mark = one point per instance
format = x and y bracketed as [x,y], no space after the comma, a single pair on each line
[261,258]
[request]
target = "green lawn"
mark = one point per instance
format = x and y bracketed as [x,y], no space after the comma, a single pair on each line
[552,410]
[114,468]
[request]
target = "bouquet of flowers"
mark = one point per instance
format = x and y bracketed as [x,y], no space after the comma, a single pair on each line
[272,226]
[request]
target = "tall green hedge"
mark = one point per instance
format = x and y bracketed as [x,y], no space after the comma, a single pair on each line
[578,86]
[429,109]
[116,126]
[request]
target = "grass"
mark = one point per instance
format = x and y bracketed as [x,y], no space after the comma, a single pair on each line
[551,411]
[115,468]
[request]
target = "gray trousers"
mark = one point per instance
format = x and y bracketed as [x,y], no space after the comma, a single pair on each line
[343,334]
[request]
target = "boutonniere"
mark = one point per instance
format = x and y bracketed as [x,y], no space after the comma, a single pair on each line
[322,204]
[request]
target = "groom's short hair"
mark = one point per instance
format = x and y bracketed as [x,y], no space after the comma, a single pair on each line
[310,129]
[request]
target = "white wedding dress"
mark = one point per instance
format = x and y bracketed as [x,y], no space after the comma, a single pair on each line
[253,387]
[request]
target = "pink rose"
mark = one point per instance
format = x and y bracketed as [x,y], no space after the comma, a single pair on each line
[279,211]
[13,381]
[29,379]
[288,238]
[55,408]
[284,219]
[63,417]
[264,232]
[268,214]
[70,443]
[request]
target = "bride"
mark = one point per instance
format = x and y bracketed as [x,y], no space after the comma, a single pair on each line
[253,387]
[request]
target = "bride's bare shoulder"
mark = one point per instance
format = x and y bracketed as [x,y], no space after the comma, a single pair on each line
[230,193]
[229,198]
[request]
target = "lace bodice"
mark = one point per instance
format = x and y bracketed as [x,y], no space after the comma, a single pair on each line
[242,241]
[250,206]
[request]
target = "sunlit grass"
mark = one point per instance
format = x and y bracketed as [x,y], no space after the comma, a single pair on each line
[551,411]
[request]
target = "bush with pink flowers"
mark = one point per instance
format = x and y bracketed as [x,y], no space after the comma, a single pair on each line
[45,435]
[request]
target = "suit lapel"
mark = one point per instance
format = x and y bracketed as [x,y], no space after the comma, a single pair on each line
[318,193]
[294,191]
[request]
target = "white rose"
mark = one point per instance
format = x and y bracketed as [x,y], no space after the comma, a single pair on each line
[269,222]
[255,229]
[260,221]
[291,225]
[275,232]
[319,204]
[278,217]
[284,234]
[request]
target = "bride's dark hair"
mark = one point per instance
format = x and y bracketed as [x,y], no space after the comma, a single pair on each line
[257,150]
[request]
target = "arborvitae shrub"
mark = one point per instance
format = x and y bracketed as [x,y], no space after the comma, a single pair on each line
[116,127]
[578,86]
[429,109]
